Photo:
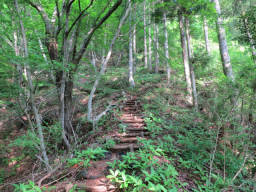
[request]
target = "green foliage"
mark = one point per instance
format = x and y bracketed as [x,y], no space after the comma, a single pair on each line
[143,170]
[29,142]
[54,133]
[85,156]
[30,187]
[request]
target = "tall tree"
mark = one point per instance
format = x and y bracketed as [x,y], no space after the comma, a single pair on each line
[191,67]
[226,64]
[185,57]
[156,42]
[149,43]
[145,35]
[72,40]
[166,48]
[131,70]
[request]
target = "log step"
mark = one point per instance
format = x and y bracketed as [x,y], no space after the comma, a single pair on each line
[124,146]
[136,129]
[128,140]
[136,134]
[133,121]
[135,124]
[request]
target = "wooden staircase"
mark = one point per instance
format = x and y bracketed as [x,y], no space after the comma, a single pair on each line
[126,141]
[133,120]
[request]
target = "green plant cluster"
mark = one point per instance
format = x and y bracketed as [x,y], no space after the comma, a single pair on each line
[85,156]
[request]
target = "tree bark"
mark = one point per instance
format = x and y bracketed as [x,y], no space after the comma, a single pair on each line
[226,64]
[206,36]
[166,48]
[185,58]
[145,36]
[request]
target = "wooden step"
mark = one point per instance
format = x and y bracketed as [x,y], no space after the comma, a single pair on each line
[136,134]
[127,118]
[97,185]
[135,124]
[133,121]
[136,129]
[124,146]
[132,115]
[128,140]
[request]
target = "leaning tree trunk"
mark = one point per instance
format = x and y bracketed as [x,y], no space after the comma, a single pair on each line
[90,117]
[131,80]
[166,50]
[31,93]
[227,67]
[206,36]
[145,37]
[192,73]
[185,58]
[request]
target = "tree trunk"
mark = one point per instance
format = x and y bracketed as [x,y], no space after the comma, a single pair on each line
[166,49]
[31,93]
[145,37]
[185,58]
[227,68]
[192,73]
[206,37]
[134,40]
[149,44]
[131,80]
[156,48]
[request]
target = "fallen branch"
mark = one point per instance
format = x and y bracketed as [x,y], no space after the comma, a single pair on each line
[48,175]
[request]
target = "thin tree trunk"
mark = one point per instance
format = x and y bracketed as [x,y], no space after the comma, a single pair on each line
[149,44]
[31,93]
[227,67]
[17,53]
[156,48]
[166,48]
[131,80]
[206,37]
[192,73]
[134,40]
[145,38]
[134,31]
[185,58]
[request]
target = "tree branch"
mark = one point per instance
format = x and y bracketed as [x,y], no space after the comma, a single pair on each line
[93,29]
[80,15]
[47,21]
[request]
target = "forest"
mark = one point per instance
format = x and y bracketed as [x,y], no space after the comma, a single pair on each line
[128,95]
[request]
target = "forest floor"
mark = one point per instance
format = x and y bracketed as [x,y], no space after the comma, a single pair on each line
[152,140]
